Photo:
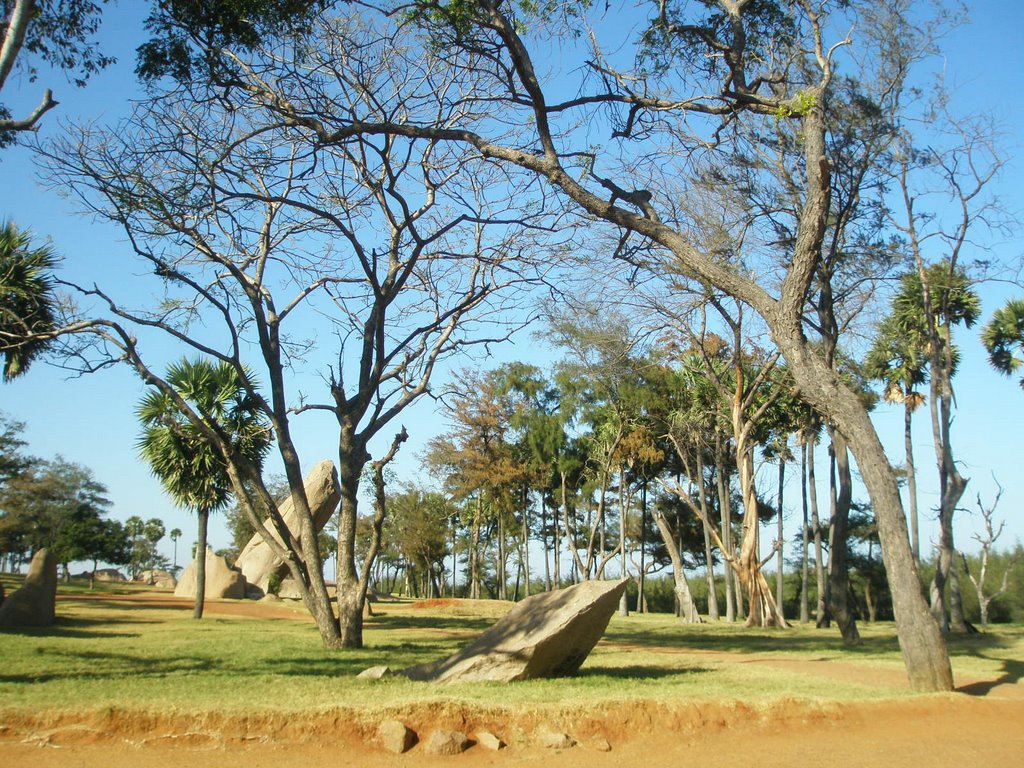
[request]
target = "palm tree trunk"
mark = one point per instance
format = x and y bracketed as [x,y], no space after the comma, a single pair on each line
[908,444]
[204,518]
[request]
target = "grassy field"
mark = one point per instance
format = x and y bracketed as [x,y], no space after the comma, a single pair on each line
[106,652]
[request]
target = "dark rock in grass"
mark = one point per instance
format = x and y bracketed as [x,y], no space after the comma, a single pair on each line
[442,742]
[547,635]
[488,740]
[35,604]
[222,581]
[395,736]
[549,739]
[257,560]
[374,673]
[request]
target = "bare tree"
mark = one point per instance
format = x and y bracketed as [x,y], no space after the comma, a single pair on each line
[709,79]
[987,541]
[272,249]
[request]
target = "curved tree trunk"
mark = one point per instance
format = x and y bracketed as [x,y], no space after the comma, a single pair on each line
[921,643]
[204,517]
[684,599]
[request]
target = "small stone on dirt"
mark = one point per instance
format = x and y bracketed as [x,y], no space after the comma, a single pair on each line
[554,739]
[488,740]
[395,736]
[374,673]
[442,742]
[601,745]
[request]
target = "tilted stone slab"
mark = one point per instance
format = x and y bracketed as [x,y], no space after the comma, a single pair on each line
[257,561]
[35,603]
[547,635]
[222,581]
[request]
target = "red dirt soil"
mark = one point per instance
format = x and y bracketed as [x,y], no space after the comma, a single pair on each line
[982,724]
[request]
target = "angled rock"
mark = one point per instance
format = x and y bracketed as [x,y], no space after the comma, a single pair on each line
[257,561]
[35,603]
[547,635]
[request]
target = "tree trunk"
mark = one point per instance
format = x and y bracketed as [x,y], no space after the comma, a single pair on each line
[350,609]
[474,550]
[819,560]
[838,575]
[805,613]
[623,507]
[702,495]
[724,507]
[908,447]
[924,651]
[780,575]
[687,611]
[544,541]
[204,517]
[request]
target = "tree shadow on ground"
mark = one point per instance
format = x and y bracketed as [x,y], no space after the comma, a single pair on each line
[638,672]
[1013,672]
[460,625]
[742,640]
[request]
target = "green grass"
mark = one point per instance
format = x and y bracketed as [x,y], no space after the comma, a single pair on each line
[110,654]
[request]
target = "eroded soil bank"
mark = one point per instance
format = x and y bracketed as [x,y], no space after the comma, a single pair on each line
[941,730]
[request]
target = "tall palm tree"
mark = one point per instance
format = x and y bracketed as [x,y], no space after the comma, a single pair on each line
[191,468]
[27,300]
[175,534]
[932,299]
[1003,337]
[901,363]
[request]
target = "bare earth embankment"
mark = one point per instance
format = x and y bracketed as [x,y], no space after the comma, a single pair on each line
[982,724]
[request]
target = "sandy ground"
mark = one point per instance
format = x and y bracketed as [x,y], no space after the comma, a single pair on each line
[982,724]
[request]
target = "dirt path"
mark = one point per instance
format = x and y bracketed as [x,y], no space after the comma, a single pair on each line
[984,724]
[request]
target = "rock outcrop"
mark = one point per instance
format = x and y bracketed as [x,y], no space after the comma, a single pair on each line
[221,580]
[35,603]
[257,561]
[547,635]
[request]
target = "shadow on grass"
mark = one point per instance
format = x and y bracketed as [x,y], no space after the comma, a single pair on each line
[455,624]
[1013,672]
[638,672]
[741,640]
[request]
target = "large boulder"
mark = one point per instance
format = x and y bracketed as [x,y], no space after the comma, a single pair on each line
[257,561]
[547,635]
[35,604]
[221,580]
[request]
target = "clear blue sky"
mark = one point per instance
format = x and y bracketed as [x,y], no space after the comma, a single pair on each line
[90,420]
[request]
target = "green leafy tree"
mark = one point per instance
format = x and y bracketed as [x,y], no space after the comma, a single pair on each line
[1003,337]
[53,504]
[191,469]
[28,305]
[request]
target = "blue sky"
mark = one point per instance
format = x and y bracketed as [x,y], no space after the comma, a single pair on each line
[90,420]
